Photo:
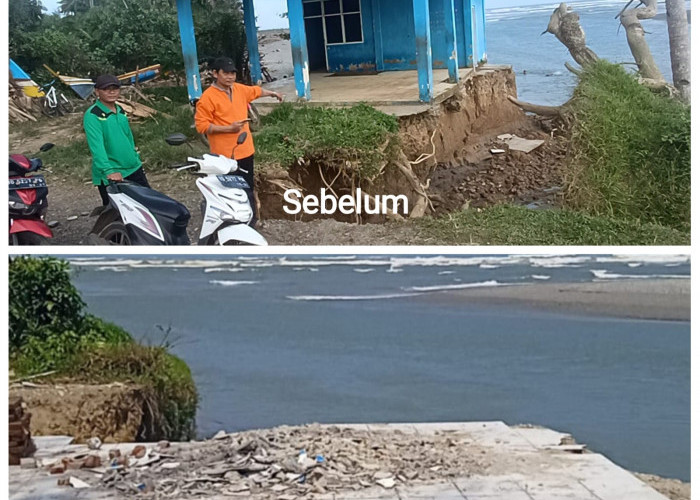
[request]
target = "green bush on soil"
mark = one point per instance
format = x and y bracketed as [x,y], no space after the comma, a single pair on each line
[50,330]
[355,134]
[631,150]
[515,225]
[167,379]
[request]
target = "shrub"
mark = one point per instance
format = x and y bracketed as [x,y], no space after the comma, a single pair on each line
[165,377]
[327,134]
[631,150]
[48,322]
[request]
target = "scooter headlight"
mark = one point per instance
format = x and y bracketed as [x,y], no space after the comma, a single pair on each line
[17,205]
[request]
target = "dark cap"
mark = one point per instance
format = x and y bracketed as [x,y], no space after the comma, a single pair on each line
[224,64]
[104,81]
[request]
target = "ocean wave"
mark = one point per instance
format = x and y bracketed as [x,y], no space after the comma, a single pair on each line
[604,274]
[646,259]
[363,270]
[461,286]
[559,261]
[351,297]
[232,283]
[540,277]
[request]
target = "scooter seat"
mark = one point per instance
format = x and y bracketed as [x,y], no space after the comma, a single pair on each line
[158,203]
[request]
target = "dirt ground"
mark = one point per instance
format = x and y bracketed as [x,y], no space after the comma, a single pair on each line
[517,177]
[674,489]
[112,411]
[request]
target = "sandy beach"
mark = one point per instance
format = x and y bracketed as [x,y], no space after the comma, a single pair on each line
[664,299]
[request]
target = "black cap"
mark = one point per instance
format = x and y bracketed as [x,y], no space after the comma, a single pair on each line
[224,64]
[104,81]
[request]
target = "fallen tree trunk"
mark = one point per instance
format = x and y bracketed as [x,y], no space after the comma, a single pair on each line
[565,26]
[538,109]
[630,19]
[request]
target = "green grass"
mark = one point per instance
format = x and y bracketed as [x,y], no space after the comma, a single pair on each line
[631,150]
[514,225]
[327,135]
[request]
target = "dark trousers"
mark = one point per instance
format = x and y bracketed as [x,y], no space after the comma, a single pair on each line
[247,164]
[139,177]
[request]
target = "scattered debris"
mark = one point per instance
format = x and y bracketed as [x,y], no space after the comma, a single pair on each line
[516,143]
[497,151]
[77,483]
[94,443]
[283,462]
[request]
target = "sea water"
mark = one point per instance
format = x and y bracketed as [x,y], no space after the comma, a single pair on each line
[293,340]
[514,36]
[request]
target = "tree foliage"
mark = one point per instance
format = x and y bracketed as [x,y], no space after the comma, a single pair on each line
[48,321]
[90,37]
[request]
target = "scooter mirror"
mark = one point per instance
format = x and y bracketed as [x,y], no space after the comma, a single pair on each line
[242,137]
[176,139]
[45,147]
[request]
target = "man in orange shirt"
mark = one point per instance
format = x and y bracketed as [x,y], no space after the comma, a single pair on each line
[222,114]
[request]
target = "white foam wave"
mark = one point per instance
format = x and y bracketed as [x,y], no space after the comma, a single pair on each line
[540,277]
[646,259]
[559,261]
[223,270]
[363,270]
[116,269]
[603,274]
[461,286]
[232,283]
[351,297]
[445,272]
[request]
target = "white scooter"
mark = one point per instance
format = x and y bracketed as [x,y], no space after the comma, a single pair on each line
[226,209]
[137,215]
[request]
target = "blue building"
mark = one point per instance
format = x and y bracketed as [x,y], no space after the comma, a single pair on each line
[356,36]
[368,36]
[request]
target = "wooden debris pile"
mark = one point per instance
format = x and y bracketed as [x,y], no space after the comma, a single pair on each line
[20,436]
[22,108]
[129,101]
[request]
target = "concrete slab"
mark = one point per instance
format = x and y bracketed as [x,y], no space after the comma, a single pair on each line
[520,464]
[392,92]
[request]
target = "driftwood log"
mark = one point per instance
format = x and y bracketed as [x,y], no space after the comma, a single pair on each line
[565,26]
[630,20]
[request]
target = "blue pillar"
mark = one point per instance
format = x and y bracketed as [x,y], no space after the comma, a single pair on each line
[481,29]
[469,39]
[189,48]
[378,42]
[251,33]
[424,56]
[300,56]
[451,41]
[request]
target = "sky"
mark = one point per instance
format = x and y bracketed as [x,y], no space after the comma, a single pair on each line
[268,11]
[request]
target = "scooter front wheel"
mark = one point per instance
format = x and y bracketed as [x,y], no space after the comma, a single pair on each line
[115,233]
[27,238]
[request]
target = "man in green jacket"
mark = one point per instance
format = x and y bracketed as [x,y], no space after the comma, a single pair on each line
[109,137]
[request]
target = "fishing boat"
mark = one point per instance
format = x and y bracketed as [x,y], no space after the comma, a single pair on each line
[141,75]
[81,86]
[24,81]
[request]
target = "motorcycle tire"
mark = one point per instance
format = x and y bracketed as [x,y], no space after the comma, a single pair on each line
[115,233]
[27,238]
